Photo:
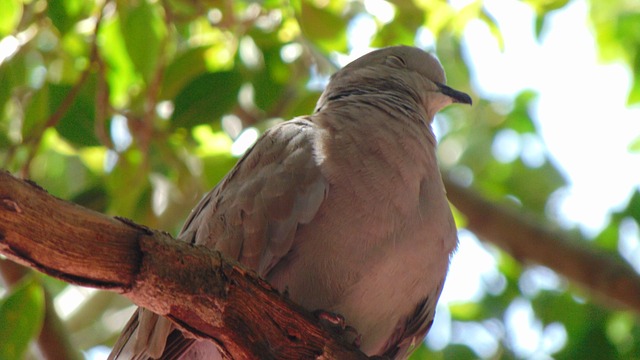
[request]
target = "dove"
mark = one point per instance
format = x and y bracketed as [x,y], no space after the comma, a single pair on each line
[345,209]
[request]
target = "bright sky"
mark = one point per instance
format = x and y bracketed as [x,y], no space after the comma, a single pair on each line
[581,110]
[587,128]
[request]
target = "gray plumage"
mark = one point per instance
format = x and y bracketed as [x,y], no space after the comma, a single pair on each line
[344,208]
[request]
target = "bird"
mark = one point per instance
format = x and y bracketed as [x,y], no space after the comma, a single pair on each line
[344,209]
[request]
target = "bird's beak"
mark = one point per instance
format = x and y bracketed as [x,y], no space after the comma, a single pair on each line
[455,95]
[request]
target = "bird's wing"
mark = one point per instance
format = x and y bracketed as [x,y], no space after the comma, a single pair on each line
[252,215]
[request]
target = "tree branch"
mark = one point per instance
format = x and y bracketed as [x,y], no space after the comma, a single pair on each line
[603,274]
[203,293]
[214,298]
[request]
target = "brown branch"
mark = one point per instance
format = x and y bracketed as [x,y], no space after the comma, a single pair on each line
[203,293]
[603,274]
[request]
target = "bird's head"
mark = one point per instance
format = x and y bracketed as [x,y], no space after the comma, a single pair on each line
[403,68]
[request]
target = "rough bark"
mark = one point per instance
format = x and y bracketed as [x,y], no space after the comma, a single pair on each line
[215,298]
[201,291]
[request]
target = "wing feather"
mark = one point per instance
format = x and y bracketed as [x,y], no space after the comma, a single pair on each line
[411,330]
[252,215]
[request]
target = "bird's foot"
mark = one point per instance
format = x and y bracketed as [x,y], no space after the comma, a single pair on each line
[356,338]
[333,320]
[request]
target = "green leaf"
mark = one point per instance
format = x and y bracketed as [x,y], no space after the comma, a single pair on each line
[128,188]
[403,28]
[57,168]
[10,14]
[182,70]
[586,329]
[322,26]
[608,237]
[206,99]
[491,22]
[459,352]
[267,92]
[64,14]
[94,198]
[394,33]
[37,111]
[13,75]
[466,311]
[303,105]
[423,352]
[217,166]
[633,208]
[542,7]
[551,306]
[121,73]
[143,31]
[269,83]
[635,145]
[540,24]
[519,119]
[21,315]
[516,178]
[77,125]
[634,93]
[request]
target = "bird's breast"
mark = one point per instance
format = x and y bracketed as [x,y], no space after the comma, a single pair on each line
[381,240]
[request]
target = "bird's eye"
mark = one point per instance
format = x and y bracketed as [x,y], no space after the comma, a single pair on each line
[395,61]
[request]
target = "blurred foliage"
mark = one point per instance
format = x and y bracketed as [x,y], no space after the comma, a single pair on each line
[132,109]
[617,29]
[21,314]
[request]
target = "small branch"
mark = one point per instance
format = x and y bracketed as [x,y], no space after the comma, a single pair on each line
[103,107]
[604,274]
[68,100]
[203,293]
[142,126]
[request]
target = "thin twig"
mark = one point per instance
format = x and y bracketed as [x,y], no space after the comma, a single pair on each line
[53,120]
[103,107]
[153,89]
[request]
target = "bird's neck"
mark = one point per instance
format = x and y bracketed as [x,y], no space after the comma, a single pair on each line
[393,106]
[390,101]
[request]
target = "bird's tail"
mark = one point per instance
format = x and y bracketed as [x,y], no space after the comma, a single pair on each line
[144,337]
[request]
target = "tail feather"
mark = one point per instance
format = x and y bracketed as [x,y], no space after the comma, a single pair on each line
[144,337]
[177,345]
